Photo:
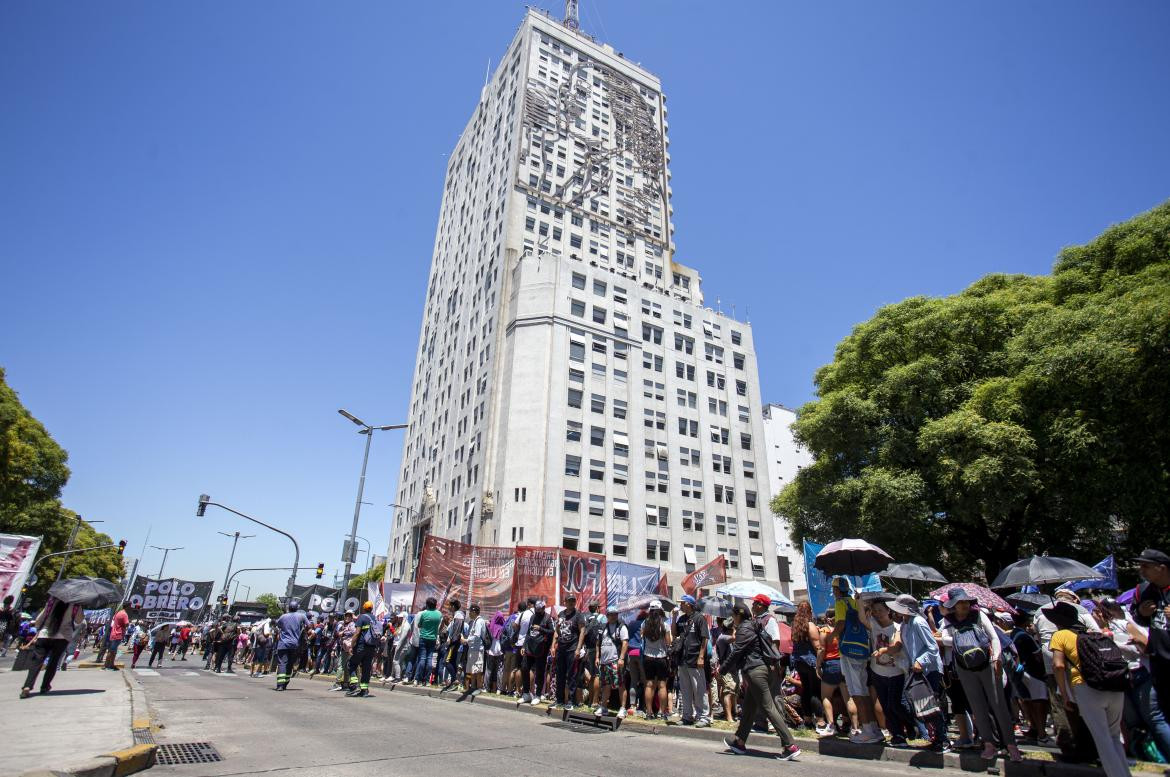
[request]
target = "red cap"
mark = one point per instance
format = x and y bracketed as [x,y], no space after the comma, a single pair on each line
[763,599]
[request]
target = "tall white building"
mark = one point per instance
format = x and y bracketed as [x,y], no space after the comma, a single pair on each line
[570,387]
[784,458]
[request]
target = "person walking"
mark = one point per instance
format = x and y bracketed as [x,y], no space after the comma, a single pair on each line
[754,656]
[289,628]
[138,643]
[158,647]
[118,625]
[261,653]
[1101,709]
[692,634]
[975,652]
[55,626]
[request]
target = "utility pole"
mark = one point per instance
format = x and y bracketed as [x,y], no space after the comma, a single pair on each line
[69,546]
[163,565]
[235,539]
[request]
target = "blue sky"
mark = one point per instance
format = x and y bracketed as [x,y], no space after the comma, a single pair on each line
[216,219]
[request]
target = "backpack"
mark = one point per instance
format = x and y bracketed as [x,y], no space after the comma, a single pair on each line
[1102,664]
[971,645]
[768,652]
[854,639]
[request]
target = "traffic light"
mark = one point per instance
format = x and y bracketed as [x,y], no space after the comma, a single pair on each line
[203,500]
[121,547]
[320,570]
[223,600]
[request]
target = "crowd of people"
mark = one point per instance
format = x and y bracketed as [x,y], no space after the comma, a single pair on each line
[1084,675]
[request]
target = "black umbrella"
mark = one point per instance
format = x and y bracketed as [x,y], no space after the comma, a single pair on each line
[913,572]
[89,592]
[853,557]
[1029,601]
[1043,569]
[713,605]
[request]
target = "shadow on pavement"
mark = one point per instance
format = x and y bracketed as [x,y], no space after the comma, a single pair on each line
[73,692]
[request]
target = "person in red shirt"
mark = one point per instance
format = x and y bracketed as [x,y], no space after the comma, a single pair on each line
[184,642]
[118,626]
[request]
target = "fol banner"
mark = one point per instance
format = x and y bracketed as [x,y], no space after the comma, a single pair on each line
[535,575]
[711,573]
[17,554]
[583,574]
[553,573]
[169,599]
[625,582]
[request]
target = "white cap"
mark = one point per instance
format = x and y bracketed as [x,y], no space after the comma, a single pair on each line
[655,605]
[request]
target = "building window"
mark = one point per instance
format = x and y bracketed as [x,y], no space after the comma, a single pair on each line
[737,359]
[736,338]
[573,466]
[745,441]
[598,315]
[578,281]
[596,435]
[657,550]
[569,538]
[620,543]
[599,288]
[749,469]
[741,388]
[576,376]
[596,469]
[621,473]
[597,403]
[597,542]
[578,308]
[572,501]
[576,351]
[619,408]
[596,504]
[573,432]
[575,398]
[749,498]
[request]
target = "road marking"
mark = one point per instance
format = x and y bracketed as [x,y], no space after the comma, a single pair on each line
[146,672]
[191,674]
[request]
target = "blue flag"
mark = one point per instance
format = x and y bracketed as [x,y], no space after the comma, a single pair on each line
[820,585]
[1107,581]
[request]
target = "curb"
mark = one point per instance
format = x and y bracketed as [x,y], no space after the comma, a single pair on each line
[119,763]
[829,746]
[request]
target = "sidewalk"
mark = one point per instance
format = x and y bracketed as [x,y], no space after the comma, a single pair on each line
[83,727]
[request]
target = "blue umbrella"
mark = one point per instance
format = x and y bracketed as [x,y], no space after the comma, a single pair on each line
[746,589]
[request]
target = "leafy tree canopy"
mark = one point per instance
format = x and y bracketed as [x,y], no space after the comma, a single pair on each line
[272,603]
[375,574]
[32,474]
[1023,415]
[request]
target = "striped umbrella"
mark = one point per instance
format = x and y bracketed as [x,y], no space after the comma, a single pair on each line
[985,597]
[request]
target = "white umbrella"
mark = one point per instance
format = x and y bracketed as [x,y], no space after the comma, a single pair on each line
[746,589]
[851,557]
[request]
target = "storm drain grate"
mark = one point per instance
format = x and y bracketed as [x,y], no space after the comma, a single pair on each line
[142,736]
[186,753]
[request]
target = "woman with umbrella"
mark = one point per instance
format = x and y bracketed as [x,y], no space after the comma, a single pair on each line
[55,625]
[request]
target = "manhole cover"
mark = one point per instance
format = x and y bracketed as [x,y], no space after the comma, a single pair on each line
[578,728]
[186,753]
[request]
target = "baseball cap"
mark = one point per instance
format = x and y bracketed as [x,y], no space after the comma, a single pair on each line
[763,599]
[570,597]
[687,599]
[611,610]
[656,605]
[368,606]
[540,605]
[1152,556]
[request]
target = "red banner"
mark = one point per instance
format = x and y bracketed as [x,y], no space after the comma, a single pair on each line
[491,578]
[711,573]
[663,586]
[538,571]
[444,571]
[583,574]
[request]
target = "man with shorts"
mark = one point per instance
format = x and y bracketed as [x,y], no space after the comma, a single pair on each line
[853,640]
[612,645]
[535,652]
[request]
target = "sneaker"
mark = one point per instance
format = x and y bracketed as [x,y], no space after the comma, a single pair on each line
[534,701]
[899,742]
[737,749]
[642,714]
[601,711]
[337,687]
[941,748]
[790,753]
[702,724]
[826,730]
[621,714]
[526,699]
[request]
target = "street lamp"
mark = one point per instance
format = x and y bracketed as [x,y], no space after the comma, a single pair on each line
[205,501]
[368,431]
[363,539]
[163,565]
[236,536]
[69,546]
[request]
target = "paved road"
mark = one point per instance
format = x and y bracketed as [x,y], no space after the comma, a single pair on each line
[309,730]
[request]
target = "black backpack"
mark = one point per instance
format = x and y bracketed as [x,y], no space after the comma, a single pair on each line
[1102,664]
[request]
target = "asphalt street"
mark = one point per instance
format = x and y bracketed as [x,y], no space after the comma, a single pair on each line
[309,730]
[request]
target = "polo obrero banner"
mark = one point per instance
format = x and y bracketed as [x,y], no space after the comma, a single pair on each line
[168,599]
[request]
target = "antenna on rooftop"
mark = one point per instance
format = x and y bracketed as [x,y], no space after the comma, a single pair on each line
[572,16]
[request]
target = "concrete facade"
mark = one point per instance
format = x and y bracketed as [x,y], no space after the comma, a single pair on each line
[784,459]
[570,387]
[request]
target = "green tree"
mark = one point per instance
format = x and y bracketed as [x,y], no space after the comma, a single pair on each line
[32,473]
[375,574]
[272,603]
[1023,415]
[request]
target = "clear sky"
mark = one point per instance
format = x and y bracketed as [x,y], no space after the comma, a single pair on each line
[216,219]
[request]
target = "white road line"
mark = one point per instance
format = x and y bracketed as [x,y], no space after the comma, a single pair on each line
[146,672]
